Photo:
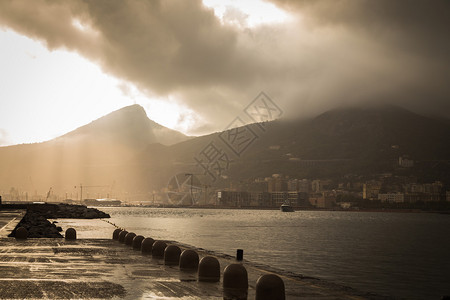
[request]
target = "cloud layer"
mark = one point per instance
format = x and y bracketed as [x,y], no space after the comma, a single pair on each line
[331,53]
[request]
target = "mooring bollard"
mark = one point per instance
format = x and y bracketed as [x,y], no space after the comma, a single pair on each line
[172,255]
[116,234]
[129,238]
[137,242]
[71,234]
[122,235]
[209,269]
[147,245]
[235,282]
[270,287]
[239,254]
[21,233]
[158,249]
[189,260]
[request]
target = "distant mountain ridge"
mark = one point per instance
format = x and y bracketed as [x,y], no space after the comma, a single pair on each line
[336,143]
[359,132]
[140,155]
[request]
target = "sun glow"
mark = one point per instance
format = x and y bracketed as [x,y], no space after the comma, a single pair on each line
[48,93]
[79,25]
[249,13]
[166,111]
[171,114]
[85,28]
[45,94]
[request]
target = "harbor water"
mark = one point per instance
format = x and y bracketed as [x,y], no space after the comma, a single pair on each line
[405,255]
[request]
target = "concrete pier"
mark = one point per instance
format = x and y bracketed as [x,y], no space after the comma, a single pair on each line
[9,219]
[98,268]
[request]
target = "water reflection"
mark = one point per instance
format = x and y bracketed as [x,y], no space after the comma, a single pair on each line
[405,255]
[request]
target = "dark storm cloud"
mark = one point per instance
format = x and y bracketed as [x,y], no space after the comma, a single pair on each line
[166,45]
[413,25]
[408,40]
[162,46]
[332,53]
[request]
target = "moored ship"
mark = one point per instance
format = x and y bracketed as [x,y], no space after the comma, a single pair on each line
[286,208]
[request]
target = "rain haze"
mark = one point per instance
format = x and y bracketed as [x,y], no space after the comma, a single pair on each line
[194,65]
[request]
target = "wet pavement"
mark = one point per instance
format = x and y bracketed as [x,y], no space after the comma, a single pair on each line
[99,268]
[9,219]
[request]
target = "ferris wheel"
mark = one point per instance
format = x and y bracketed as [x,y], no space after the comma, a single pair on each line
[184,189]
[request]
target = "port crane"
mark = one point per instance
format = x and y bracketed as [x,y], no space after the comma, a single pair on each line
[48,194]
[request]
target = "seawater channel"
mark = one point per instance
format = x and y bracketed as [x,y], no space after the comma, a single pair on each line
[405,255]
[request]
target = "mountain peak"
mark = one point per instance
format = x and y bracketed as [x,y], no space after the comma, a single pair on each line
[134,111]
[130,125]
[135,108]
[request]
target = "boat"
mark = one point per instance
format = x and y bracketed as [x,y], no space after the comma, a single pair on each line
[286,208]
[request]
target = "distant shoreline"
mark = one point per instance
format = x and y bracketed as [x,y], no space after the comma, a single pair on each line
[377,210]
[381,210]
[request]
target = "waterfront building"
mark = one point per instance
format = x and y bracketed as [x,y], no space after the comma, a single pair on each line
[259,185]
[422,197]
[304,186]
[392,197]
[345,205]
[371,190]
[298,199]
[405,162]
[427,192]
[279,198]
[277,184]
[431,188]
[322,200]
[261,199]
[233,198]
[292,185]
[299,185]
[318,186]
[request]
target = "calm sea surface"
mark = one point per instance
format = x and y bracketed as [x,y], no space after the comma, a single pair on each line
[399,254]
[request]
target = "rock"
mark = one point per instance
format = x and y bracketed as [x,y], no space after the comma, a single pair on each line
[91,214]
[36,223]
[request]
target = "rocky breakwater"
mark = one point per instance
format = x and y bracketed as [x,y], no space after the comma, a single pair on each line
[37,215]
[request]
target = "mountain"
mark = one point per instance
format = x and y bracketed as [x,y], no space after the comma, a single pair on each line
[365,132]
[336,143]
[132,154]
[95,154]
[127,125]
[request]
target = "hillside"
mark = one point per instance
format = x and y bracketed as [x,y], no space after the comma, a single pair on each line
[364,133]
[129,125]
[333,144]
[95,154]
[353,140]
[131,153]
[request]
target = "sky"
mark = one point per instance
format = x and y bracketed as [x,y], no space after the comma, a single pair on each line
[195,65]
